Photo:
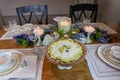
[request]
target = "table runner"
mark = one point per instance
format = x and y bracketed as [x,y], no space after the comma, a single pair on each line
[10,34]
[104,27]
[30,57]
[99,69]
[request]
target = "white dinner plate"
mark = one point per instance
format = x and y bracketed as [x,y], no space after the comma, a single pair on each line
[104,52]
[16,61]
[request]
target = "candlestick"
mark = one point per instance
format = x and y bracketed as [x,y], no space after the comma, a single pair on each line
[38,31]
[89,30]
[39,41]
[88,40]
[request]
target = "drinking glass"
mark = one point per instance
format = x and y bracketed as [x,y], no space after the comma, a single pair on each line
[86,22]
[33,38]
[12,24]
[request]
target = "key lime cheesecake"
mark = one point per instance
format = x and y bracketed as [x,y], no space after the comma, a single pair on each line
[66,51]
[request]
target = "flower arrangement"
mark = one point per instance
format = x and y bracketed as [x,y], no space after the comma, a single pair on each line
[23,39]
[101,36]
[98,35]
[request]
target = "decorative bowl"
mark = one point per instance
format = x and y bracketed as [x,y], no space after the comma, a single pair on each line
[66,65]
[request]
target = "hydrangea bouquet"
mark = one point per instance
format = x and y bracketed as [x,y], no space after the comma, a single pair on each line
[98,35]
[23,39]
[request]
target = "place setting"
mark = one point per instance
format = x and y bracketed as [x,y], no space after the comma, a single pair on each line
[110,54]
[17,64]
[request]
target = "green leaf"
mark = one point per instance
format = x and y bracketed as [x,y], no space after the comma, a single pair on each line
[70,33]
[25,43]
[61,32]
[98,34]
[97,29]
[18,41]
[92,38]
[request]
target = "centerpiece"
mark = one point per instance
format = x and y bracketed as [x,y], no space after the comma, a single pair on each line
[31,38]
[96,34]
[63,25]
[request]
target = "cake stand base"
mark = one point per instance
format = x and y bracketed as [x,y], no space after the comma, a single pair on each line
[63,67]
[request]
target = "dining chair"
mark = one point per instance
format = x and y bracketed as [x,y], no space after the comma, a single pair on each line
[35,12]
[80,11]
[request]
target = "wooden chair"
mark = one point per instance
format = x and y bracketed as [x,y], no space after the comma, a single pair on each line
[39,12]
[80,11]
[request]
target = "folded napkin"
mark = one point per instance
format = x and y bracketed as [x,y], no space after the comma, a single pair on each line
[47,40]
[99,69]
[27,69]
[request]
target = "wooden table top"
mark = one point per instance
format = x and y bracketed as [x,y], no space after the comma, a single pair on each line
[50,71]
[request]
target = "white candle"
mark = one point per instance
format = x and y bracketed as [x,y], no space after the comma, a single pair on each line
[73,32]
[38,31]
[65,36]
[89,29]
[64,25]
[54,33]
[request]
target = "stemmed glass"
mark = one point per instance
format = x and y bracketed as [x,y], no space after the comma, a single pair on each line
[86,22]
[33,38]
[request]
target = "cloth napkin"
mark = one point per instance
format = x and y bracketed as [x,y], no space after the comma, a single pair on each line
[27,71]
[47,40]
[98,68]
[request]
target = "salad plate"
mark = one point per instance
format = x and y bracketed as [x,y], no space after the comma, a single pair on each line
[105,53]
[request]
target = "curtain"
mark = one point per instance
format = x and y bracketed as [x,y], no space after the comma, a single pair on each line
[72,2]
[86,1]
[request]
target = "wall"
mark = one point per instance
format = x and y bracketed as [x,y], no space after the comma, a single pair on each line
[109,11]
[54,6]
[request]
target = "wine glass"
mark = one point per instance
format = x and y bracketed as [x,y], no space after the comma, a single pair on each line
[86,22]
[33,38]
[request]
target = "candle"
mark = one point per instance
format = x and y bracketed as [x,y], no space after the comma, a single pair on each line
[89,29]
[64,25]
[66,36]
[73,32]
[38,31]
[54,33]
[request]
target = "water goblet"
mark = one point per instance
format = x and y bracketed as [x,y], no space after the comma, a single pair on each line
[86,22]
[33,38]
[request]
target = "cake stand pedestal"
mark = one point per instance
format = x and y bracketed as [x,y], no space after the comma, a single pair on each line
[63,67]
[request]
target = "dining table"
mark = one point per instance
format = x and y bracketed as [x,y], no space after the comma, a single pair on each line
[50,71]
